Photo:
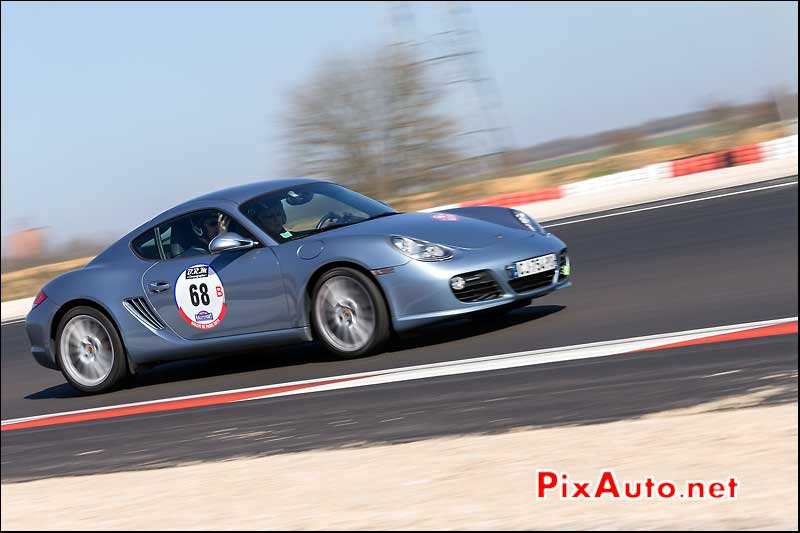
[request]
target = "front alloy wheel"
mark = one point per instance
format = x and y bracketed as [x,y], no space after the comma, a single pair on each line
[349,313]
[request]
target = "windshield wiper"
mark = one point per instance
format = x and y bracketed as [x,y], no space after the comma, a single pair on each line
[326,228]
[381,215]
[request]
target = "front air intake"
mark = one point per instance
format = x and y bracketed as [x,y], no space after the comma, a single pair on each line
[532,282]
[142,312]
[477,286]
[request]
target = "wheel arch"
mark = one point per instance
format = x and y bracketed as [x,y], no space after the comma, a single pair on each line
[69,305]
[327,267]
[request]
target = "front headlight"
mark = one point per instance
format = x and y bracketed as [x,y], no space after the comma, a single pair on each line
[421,250]
[528,222]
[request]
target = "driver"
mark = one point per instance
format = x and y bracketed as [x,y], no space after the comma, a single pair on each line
[271,217]
[207,226]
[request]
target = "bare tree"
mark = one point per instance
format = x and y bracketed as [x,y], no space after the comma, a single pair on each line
[373,124]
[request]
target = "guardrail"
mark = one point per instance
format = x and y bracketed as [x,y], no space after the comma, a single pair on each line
[782,148]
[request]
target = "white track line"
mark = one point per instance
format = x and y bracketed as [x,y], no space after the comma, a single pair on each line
[446,368]
[528,358]
[669,205]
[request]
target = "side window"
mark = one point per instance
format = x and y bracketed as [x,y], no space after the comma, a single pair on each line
[191,234]
[145,246]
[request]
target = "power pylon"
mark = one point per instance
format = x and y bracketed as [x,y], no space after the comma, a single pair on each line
[455,51]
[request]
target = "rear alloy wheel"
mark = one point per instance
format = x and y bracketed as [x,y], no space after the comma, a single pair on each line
[89,351]
[349,313]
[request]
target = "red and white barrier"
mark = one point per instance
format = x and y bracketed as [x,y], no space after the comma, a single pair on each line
[783,148]
[610,181]
[660,170]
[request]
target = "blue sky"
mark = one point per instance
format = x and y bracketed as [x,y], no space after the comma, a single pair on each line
[112,112]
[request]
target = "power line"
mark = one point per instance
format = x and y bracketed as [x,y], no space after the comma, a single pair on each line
[485,137]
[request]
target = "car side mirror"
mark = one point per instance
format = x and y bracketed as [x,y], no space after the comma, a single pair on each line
[229,241]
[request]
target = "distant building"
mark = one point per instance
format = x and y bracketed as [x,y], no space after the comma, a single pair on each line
[26,243]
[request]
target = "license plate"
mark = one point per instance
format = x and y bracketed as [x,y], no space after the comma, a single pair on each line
[534,266]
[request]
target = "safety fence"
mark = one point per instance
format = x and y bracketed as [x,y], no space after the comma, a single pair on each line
[783,148]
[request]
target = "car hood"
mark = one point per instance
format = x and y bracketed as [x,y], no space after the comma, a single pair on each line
[449,229]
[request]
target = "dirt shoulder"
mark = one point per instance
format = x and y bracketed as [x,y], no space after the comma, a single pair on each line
[473,482]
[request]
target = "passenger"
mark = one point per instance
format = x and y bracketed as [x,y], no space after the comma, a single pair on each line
[271,217]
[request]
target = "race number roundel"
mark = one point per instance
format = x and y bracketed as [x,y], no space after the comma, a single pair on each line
[200,297]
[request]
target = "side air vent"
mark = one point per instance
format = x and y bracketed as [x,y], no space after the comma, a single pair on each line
[142,312]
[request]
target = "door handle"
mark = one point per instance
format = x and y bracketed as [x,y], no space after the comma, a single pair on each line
[159,286]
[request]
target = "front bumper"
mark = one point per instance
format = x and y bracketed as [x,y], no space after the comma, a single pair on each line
[419,292]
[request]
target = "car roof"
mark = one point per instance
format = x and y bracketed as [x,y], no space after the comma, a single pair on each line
[242,193]
[236,195]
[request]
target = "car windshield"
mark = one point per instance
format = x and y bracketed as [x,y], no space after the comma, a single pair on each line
[311,208]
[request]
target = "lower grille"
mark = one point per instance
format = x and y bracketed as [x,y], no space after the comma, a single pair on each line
[534,281]
[142,312]
[479,286]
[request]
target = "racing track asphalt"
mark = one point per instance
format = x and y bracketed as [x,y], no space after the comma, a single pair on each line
[720,261]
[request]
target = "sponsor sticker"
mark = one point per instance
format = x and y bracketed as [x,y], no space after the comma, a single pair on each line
[203,316]
[200,297]
[197,272]
[445,216]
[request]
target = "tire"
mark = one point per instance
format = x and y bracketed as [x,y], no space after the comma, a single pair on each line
[349,314]
[89,351]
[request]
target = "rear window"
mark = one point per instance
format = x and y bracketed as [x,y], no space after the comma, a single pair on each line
[145,246]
